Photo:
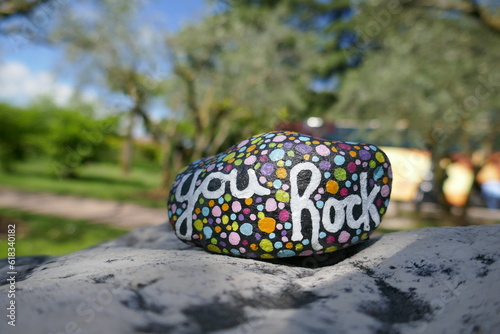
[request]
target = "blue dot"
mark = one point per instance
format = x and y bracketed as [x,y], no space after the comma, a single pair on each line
[220,200]
[235,251]
[233,216]
[179,211]
[262,146]
[305,242]
[277,184]
[288,163]
[304,138]
[208,232]
[242,149]
[355,239]
[288,226]
[327,175]
[260,207]
[205,211]
[354,177]
[322,235]
[286,253]
[339,160]
[358,231]
[272,236]
[377,174]
[319,204]
[271,135]
[348,184]
[277,154]
[246,229]
[170,214]
[278,244]
[373,147]
[315,159]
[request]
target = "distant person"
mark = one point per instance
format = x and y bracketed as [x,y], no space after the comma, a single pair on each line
[489,178]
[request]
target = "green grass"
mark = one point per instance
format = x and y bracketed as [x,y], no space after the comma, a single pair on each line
[98,180]
[49,235]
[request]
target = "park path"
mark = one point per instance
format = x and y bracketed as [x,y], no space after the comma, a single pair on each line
[130,216]
[124,215]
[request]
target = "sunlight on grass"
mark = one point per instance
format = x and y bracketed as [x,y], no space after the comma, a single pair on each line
[99,180]
[50,235]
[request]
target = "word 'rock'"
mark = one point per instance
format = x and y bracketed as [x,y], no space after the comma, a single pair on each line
[281,194]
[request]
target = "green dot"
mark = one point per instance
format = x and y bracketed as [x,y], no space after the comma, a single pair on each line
[272,145]
[229,156]
[257,166]
[227,197]
[340,174]
[238,162]
[266,245]
[282,196]
[198,224]
[213,241]
[372,164]
[201,201]
[291,153]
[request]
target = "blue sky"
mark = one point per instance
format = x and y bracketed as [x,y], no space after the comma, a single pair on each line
[28,70]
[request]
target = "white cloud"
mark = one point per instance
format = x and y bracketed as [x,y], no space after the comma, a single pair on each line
[19,85]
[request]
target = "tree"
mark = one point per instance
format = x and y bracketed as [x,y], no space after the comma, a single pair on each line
[429,68]
[116,51]
[233,78]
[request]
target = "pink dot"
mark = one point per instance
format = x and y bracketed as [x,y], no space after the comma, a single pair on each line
[322,150]
[246,211]
[285,187]
[343,192]
[262,179]
[344,236]
[284,215]
[330,239]
[281,205]
[250,160]
[385,190]
[271,204]
[234,238]
[284,239]
[279,138]
[317,197]
[253,217]
[279,226]
[243,143]
[244,242]
[306,253]
[236,206]
[216,212]
[242,250]
[351,167]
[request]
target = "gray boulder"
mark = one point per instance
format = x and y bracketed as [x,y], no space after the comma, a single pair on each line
[432,280]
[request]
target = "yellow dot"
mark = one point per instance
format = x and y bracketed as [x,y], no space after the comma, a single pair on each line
[380,157]
[281,173]
[213,248]
[266,245]
[306,156]
[248,201]
[266,256]
[364,236]
[299,247]
[269,184]
[198,224]
[330,249]
[332,187]
[282,196]
[280,163]
[225,219]
[235,226]
[267,224]
[261,215]
[228,227]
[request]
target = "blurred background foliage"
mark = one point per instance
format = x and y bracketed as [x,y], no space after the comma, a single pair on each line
[415,74]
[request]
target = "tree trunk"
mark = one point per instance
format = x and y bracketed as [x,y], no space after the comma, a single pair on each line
[128,145]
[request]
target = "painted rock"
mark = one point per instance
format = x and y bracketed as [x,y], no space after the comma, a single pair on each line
[281,194]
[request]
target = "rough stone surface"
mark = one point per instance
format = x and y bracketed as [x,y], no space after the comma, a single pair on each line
[281,194]
[432,280]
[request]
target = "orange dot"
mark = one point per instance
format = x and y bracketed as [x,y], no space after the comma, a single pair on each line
[334,149]
[291,138]
[306,156]
[211,203]
[267,224]
[315,142]
[332,187]
[281,173]
[197,211]
[385,180]
[248,201]
[254,247]
[231,160]
[352,153]
[225,207]
[357,147]
[251,148]
[289,245]
[217,229]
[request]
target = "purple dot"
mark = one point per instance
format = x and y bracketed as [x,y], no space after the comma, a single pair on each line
[258,200]
[365,155]
[283,233]
[303,148]
[325,165]
[222,243]
[288,144]
[257,236]
[240,217]
[267,169]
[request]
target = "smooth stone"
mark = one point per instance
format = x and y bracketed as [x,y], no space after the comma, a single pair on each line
[281,194]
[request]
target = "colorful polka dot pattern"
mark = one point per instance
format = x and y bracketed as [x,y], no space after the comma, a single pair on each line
[281,194]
